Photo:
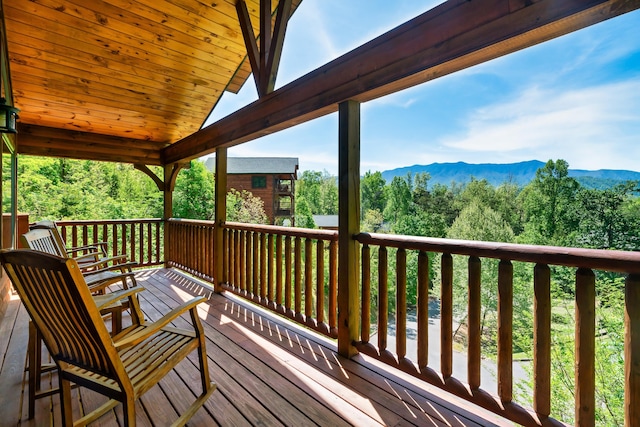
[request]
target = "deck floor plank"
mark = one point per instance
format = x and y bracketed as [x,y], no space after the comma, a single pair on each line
[268,371]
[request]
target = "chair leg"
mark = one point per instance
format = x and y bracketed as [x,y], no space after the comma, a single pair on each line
[33,347]
[129,412]
[65,402]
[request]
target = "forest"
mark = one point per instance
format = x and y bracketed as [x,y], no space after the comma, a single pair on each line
[553,209]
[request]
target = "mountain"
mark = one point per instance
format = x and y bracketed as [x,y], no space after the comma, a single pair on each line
[519,173]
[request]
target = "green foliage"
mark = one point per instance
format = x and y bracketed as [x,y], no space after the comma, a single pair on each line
[320,191]
[549,206]
[242,206]
[373,196]
[194,194]
[74,189]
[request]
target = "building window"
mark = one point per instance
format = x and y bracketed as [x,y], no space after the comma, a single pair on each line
[258,182]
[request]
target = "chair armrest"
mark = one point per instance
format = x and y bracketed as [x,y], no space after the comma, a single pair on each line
[112,297]
[103,263]
[151,328]
[99,284]
[123,267]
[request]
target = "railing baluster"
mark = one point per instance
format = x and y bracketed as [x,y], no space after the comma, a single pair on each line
[585,347]
[365,321]
[308,278]
[473,323]
[244,286]
[320,281]
[401,304]
[263,267]
[255,258]
[505,331]
[632,350]
[278,270]
[270,269]
[287,273]
[333,286]
[423,310]
[446,315]
[542,340]
[383,299]
[297,285]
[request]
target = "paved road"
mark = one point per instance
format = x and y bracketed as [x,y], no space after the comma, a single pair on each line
[488,373]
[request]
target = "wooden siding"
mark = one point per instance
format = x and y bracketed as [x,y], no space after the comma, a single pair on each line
[268,373]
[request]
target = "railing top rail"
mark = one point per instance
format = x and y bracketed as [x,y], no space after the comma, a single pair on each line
[193,221]
[107,221]
[597,259]
[308,233]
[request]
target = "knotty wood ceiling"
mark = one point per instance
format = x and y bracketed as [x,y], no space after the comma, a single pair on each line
[142,73]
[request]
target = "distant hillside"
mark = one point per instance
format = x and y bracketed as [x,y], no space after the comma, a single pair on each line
[519,173]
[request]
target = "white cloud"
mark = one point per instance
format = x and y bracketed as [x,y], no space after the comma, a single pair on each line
[590,124]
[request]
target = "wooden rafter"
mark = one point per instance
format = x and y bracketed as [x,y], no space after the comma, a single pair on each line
[46,141]
[145,169]
[264,59]
[453,36]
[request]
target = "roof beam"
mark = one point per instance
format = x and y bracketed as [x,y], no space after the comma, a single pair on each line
[453,36]
[45,141]
[265,59]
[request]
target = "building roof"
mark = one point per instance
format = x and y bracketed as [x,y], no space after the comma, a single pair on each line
[326,221]
[257,165]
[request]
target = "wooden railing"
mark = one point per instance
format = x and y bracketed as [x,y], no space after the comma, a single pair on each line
[292,271]
[190,247]
[585,261]
[139,239]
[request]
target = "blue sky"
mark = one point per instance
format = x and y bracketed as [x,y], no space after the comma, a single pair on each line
[576,98]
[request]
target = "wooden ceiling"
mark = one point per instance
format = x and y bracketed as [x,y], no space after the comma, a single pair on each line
[121,79]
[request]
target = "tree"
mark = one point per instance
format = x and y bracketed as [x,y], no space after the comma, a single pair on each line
[398,199]
[372,190]
[549,206]
[319,190]
[304,218]
[243,206]
[194,194]
[603,221]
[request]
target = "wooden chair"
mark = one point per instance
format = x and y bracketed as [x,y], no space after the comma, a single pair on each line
[89,257]
[122,367]
[97,280]
[98,277]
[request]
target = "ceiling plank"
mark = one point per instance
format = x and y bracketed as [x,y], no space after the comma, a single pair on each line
[452,36]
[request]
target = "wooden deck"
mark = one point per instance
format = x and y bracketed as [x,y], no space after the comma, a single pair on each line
[269,372]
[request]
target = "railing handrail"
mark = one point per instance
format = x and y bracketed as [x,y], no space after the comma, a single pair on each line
[597,259]
[71,222]
[330,235]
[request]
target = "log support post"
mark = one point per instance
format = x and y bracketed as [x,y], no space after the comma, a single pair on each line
[221,216]
[348,226]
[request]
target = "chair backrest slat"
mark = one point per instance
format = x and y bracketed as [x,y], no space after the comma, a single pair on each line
[43,240]
[60,303]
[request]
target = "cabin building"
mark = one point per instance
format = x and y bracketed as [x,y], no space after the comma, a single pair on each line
[272,179]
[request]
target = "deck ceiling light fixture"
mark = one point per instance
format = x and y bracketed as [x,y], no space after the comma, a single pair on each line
[8,117]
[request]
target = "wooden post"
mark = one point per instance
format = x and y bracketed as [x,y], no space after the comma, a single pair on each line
[632,351]
[348,226]
[221,214]
[585,346]
[167,192]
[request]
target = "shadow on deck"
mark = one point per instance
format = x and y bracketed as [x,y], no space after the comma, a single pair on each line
[269,372]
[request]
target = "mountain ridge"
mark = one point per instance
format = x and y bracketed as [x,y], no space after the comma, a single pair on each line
[520,173]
